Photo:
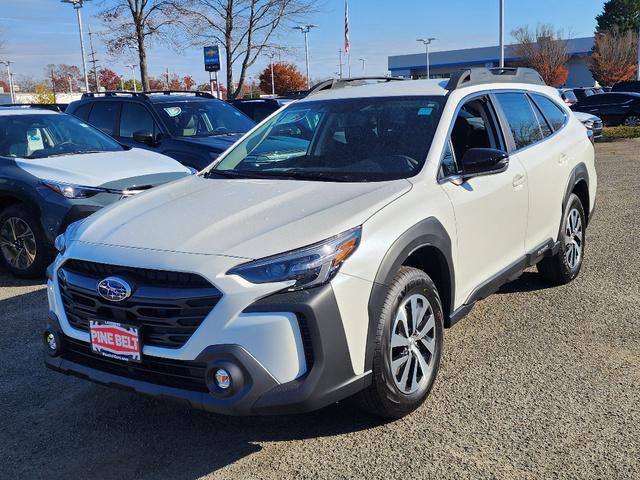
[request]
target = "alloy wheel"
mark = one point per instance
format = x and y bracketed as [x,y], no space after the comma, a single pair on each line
[573,239]
[632,121]
[17,243]
[413,343]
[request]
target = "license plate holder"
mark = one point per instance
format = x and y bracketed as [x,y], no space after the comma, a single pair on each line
[115,340]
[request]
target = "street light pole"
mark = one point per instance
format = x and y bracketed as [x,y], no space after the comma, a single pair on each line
[10,78]
[305,30]
[271,56]
[427,43]
[364,62]
[77,5]
[133,76]
[501,33]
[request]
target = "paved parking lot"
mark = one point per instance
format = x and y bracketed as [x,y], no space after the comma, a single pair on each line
[536,383]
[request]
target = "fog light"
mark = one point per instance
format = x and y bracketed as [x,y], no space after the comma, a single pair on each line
[222,379]
[52,343]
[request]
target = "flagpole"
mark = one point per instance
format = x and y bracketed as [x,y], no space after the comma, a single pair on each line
[347,43]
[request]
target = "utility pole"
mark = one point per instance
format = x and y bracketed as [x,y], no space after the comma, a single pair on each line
[340,64]
[94,61]
[77,5]
[305,30]
[53,85]
[10,78]
[167,74]
[271,56]
[133,76]
[364,63]
[427,43]
[501,33]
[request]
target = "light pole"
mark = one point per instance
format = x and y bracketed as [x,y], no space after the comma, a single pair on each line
[364,63]
[501,33]
[133,76]
[271,56]
[427,42]
[305,29]
[77,5]
[10,78]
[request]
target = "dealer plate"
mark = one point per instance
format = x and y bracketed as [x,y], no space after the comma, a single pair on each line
[115,340]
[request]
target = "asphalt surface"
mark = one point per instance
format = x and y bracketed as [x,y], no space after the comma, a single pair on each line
[535,383]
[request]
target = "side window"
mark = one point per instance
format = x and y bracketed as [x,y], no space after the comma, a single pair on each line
[448,165]
[520,117]
[474,127]
[544,126]
[554,114]
[103,116]
[134,118]
[83,111]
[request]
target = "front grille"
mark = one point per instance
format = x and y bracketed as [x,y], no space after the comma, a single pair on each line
[167,306]
[187,375]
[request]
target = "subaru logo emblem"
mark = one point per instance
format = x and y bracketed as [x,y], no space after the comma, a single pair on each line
[114,289]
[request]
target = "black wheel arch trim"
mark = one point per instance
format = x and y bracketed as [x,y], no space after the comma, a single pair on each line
[578,174]
[426,233]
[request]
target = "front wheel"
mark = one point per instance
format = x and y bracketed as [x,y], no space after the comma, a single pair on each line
[565,265]
[23,247]
[409,340]
[632,121]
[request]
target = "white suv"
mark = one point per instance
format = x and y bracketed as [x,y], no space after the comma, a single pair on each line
[322,256]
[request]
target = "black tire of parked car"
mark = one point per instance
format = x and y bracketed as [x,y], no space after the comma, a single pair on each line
[35,267]
[632,120]
[556,269]
[383,397]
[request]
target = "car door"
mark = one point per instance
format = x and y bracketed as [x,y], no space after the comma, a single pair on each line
[534,123]
[490,210]
[136,118]
[104,116]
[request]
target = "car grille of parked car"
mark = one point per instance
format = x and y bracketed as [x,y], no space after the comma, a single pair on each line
[167,306]
[186,375]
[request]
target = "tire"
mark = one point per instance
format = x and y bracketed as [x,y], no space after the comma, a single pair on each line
[632,121]
[565,265]
[27,253]
[389,396]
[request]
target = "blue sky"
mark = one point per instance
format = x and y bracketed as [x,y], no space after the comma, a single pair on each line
[39,32]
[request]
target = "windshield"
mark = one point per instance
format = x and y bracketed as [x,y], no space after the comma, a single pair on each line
[203,118]
[48,135]
[352,140]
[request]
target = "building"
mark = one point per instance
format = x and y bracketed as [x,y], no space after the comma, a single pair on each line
[444,62]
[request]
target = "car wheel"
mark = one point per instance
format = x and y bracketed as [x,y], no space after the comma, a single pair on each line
[409,340]
[632,121]
[565,265]
[23,246]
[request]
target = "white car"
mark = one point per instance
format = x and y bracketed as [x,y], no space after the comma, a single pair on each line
[322,256]
[55,170]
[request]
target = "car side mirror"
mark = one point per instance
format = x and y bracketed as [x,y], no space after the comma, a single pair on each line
[483,161]
[145,136]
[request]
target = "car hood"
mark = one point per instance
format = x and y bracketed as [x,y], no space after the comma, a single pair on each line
[104,168]
[216,143]
[244,218]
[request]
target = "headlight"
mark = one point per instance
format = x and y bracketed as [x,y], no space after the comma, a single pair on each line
[306,267]
[60,243]
[69,190]
[588,124]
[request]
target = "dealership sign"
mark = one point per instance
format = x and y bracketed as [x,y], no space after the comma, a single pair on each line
[212,58]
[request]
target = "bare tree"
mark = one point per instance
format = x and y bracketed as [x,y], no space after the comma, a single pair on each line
[544,50]
[614,56]
[245,28]
[132,24]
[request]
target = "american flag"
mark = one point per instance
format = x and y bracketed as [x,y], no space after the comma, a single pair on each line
[346,27]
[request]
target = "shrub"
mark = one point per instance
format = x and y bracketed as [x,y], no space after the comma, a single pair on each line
[621,132]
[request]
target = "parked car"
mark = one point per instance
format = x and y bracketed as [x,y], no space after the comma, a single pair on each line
[592,123]
[260,108]
[56,107]
[612,108]
[629,86]
[55,170]
[567,95]
[322,256]
[191,127]
[584,92]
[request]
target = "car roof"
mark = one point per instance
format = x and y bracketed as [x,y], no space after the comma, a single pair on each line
[10,111]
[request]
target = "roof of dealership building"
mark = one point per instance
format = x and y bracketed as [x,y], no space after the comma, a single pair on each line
[443,62]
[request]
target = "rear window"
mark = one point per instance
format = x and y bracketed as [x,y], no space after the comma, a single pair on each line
[552,112]
[103,116]
[522,121]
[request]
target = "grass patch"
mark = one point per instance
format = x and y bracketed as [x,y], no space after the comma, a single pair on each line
[613,133]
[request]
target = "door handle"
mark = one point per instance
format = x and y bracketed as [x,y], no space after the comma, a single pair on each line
[518,180]
[563,158]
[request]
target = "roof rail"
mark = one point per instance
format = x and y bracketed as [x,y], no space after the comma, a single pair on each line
[334,83]
[481,75]
[55,107]
[181,92]
[113,93]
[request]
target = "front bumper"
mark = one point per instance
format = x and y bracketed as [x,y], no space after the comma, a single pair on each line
[329,376]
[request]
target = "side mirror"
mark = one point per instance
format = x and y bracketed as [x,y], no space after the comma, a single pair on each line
[144,136]
[483,161]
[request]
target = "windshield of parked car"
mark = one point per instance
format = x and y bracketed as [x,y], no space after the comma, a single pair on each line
[49,135]
[203,118]
[351,140]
